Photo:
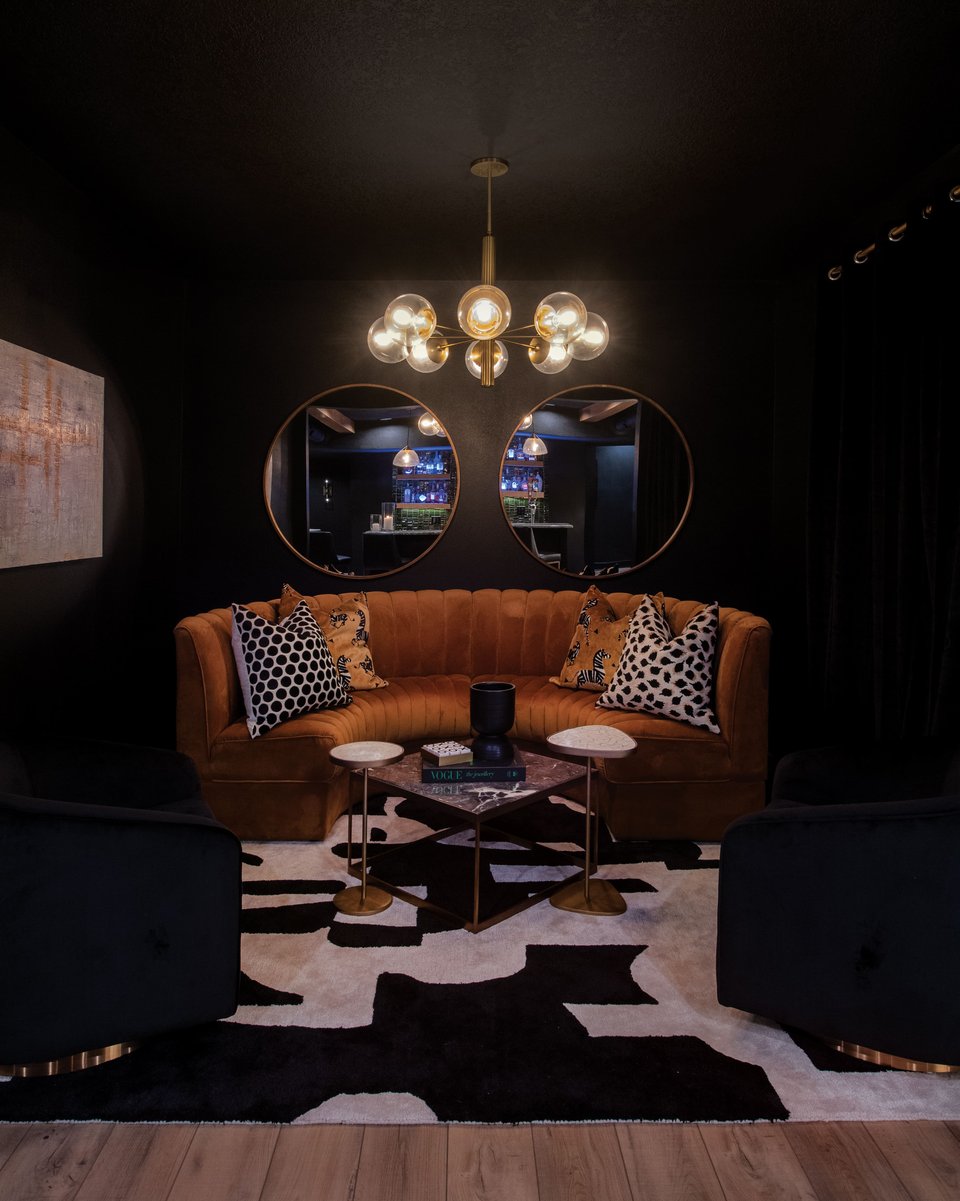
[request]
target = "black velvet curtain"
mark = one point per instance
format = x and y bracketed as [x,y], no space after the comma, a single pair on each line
[663,481]
[884,502]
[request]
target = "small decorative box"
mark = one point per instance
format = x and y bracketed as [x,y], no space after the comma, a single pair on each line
[445,754]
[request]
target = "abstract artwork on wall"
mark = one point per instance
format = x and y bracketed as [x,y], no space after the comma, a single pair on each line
[51,460]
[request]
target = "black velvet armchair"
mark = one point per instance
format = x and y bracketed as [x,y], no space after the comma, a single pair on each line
[839,905]
[119,901]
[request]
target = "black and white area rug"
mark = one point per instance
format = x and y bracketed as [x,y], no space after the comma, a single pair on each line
[548,1016]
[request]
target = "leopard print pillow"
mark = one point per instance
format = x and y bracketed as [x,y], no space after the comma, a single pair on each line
[597,642]
[665,674]
[346,628]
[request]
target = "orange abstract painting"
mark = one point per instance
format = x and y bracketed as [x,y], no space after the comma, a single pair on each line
[51,460]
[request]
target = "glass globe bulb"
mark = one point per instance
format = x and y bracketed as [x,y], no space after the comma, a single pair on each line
[427,354]
[406,458]
[526,422]
[548,357]
[429,426]
[560,313]
[472,358]
[484,311]
[384,344]
[411,316]
[594,339]
[535,447]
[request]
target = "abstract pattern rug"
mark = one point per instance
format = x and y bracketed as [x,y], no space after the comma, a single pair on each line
[547,1016]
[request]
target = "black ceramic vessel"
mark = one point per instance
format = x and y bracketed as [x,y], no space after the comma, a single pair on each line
[492,711]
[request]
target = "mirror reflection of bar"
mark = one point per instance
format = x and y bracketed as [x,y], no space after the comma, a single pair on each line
[335,495]
[613,488]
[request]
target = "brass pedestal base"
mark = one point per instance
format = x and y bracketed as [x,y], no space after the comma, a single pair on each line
[886,1060]
[69,1063]
[360,902]
[602,899]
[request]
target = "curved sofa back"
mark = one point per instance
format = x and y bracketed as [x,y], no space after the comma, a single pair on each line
[458,632]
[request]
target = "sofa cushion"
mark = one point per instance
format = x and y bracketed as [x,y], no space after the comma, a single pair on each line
[670,676]
[285,667]
[413,708]
[346,627]
[668,749]
[596,644]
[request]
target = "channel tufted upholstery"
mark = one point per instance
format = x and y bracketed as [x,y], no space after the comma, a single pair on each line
[683,782]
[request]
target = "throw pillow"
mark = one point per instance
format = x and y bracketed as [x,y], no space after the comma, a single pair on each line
[285,668]
[597,643]
[664,674]
[346,628]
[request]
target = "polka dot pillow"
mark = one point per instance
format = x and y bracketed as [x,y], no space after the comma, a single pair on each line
[666,674]
[285,668]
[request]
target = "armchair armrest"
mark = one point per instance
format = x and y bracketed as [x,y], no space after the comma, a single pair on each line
[95,772]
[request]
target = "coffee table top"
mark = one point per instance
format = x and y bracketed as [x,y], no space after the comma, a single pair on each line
[544,776]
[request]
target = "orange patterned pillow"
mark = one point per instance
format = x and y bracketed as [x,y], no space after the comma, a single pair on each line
[597,642]
[346,628]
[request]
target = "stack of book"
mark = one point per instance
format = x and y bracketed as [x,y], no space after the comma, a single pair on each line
[453,763]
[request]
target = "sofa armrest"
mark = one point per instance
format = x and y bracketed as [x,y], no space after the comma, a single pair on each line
[208,688]
[832,919]
[742,690]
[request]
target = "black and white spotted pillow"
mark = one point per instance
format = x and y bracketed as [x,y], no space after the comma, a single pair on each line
[665,674]
[285,668]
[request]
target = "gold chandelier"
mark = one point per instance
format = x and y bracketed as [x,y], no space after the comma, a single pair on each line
[562,329]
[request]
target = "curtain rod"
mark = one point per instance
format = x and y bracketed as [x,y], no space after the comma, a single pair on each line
[894,234]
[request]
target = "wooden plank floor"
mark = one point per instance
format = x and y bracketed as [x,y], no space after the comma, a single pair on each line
[790,1161]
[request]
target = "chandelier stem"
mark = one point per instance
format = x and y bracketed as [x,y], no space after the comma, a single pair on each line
[486,362]
[488,260]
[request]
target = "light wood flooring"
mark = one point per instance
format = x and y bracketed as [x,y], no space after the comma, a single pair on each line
[848,1161]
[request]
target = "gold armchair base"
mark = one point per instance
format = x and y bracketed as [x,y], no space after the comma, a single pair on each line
[68,1063]
[885,1060]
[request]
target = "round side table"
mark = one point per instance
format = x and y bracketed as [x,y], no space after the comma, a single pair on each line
[592,742]
[359,900]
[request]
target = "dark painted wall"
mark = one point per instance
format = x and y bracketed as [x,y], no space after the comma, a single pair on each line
[726,359]
[87,646]
[256,351]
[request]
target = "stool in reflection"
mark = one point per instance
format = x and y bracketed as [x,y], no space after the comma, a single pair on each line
[323,551]
[529,540]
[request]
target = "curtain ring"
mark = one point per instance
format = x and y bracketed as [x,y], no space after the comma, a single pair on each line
[955,193]
[897,232]
[862,255]
[834,273]
[926,212]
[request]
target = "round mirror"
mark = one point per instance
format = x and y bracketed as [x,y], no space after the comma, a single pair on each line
[361,480]
[596,481]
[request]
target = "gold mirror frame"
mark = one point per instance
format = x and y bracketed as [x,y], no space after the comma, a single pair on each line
[607,400]
[337,411]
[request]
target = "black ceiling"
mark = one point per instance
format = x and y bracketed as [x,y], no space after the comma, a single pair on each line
[653,138]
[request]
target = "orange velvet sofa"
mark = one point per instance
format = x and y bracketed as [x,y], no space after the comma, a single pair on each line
[682,782]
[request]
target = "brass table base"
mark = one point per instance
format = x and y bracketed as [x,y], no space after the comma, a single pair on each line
[602,899]
[362,902]
[598,897]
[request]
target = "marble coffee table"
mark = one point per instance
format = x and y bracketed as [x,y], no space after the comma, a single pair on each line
[475,807]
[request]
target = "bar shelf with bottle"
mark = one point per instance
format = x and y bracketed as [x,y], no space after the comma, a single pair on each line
[423,495]
[522,477]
